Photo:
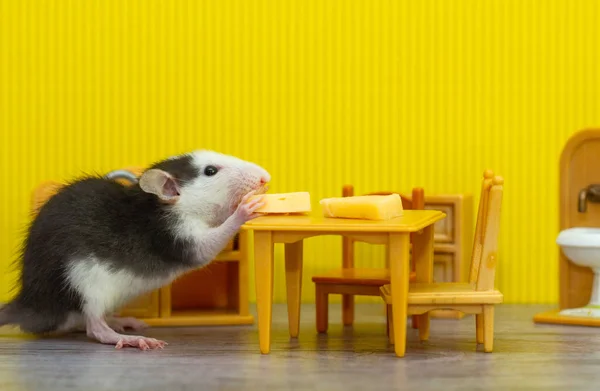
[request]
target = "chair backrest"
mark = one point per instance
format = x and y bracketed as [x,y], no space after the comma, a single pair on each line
[485,243]
[43,192]
[417,201]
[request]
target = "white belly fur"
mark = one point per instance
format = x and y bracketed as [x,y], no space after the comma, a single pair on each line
[104,290]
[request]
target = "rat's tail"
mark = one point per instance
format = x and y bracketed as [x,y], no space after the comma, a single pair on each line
[27,319]
[7,315]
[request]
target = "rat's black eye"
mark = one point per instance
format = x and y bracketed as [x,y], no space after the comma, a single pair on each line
[210,170]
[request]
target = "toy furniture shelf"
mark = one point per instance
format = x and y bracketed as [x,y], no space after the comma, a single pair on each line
[292,230]
[212,296]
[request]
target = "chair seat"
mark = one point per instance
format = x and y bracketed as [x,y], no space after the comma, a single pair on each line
[356,276]
[445,293]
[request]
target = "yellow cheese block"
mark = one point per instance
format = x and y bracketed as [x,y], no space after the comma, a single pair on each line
[371,207]
[298,202]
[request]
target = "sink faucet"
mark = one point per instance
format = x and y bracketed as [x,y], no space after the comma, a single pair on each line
[591,194]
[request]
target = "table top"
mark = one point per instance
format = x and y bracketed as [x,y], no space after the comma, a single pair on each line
[410,221]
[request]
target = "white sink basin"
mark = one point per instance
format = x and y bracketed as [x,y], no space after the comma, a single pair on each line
[582,247]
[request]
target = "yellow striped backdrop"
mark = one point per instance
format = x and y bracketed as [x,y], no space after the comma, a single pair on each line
[380,94]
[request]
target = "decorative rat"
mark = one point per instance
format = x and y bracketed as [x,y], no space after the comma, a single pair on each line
[97,244]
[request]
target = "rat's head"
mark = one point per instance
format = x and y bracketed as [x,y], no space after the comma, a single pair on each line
[204,184]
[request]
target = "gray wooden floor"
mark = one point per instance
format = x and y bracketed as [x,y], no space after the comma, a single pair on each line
[526,357]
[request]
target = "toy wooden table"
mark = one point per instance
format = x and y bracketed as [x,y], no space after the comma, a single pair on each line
[292,230]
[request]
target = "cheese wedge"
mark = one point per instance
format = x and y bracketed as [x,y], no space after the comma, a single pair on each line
[371,207]
[298,202]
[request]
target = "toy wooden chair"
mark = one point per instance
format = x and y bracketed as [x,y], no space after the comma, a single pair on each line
[478,296]
[349,281]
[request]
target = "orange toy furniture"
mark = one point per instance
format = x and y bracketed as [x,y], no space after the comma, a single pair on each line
[578,207]
[478,296]
[214,295]
[349,281]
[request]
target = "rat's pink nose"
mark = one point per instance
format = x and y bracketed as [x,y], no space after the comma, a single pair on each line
[264,180]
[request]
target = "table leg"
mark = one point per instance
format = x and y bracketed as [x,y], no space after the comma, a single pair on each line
[398,254]
[347,263]
[293,280]
[423,259]
[243,291]
[263,270]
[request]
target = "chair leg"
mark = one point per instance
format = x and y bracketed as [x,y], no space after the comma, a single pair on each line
[424,327]
[322,308]
[390,324]
[387,320]
[415,321]
[347,310]
[479,327]
[488,328]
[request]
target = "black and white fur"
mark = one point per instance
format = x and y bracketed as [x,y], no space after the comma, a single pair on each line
[97,244]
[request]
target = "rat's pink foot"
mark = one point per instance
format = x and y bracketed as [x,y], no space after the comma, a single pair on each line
[100,331]
[143,343]
[120,324]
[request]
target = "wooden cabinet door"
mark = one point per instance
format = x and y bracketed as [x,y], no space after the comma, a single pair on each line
[443,267]
[444,230]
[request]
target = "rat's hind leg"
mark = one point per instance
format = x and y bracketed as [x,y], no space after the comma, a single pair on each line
[98,329]
[120,324]
[102,291]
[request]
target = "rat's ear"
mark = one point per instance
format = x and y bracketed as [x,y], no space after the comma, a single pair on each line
[161,183]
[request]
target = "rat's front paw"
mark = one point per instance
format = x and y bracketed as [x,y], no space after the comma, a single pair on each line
[245,210]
